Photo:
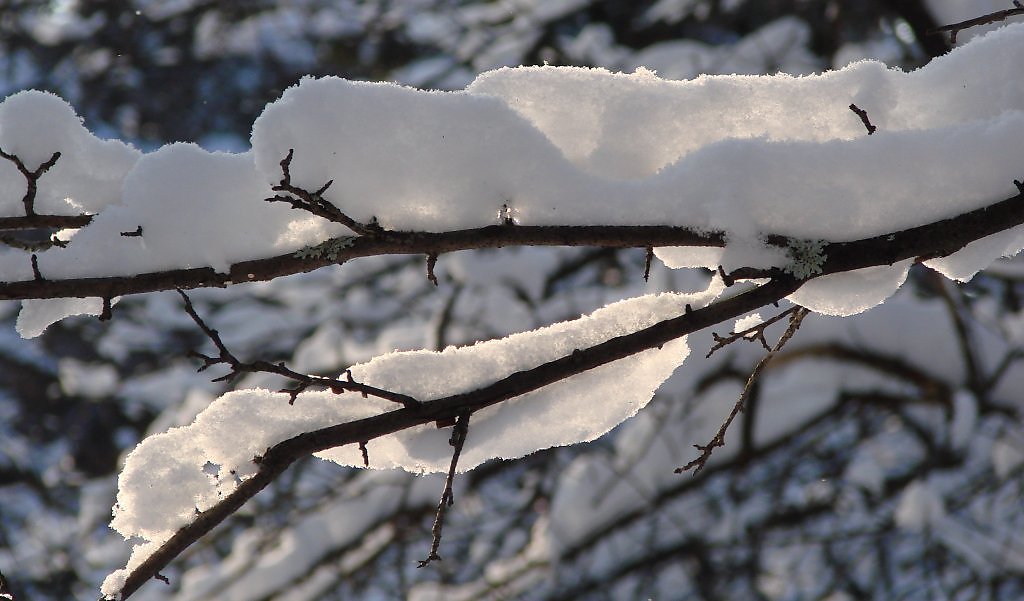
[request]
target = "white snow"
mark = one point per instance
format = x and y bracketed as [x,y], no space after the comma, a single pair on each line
[747,322]
[37,315]
[86,178]
[745,155]
[245,423]
[1007,454]
[920,507]
[749,155]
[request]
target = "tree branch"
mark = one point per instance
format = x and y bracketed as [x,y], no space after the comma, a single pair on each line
[928,241]
[999,15]
[458,439]
[239,367]
[796,316]
[755,333]
[447,409]
[31,178]
[314,202]
[32,222]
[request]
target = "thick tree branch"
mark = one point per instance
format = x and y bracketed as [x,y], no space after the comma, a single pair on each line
[928,241]
[32,222]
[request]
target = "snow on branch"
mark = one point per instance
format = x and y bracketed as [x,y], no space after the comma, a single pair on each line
[755,177]
[528,148]
[330,441]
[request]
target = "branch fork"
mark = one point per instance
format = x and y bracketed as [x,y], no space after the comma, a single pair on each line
[304,381]
[796,316]
[314,202]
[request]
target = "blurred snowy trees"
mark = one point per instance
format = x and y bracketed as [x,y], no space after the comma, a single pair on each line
[881,456]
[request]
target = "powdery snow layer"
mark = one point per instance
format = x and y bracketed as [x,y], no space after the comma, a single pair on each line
[748,155]
[86,178]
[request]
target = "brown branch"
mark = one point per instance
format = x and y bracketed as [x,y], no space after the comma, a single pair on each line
[928,241]
[283,454]
[457,440]
[31,178]
[13,241]
[864,118]
[389,243]
[999,15]
[37,276]
[32,222]
[755,333]
[238,367]
[718,440]
[431,263]
[314,202]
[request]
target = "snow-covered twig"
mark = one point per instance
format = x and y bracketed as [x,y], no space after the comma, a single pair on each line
[929,241]
[795,318]
[304,381]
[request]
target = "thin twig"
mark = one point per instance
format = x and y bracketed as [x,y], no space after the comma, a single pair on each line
[107,313]
[864,118]
[755,333]
[999,15]
[238,367]
[457,440]
[431,263]
[31,178]
[314,202]
[35,269]
[719,438]
[648,259]
[365,452]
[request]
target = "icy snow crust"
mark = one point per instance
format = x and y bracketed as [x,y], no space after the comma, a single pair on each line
[748,155]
